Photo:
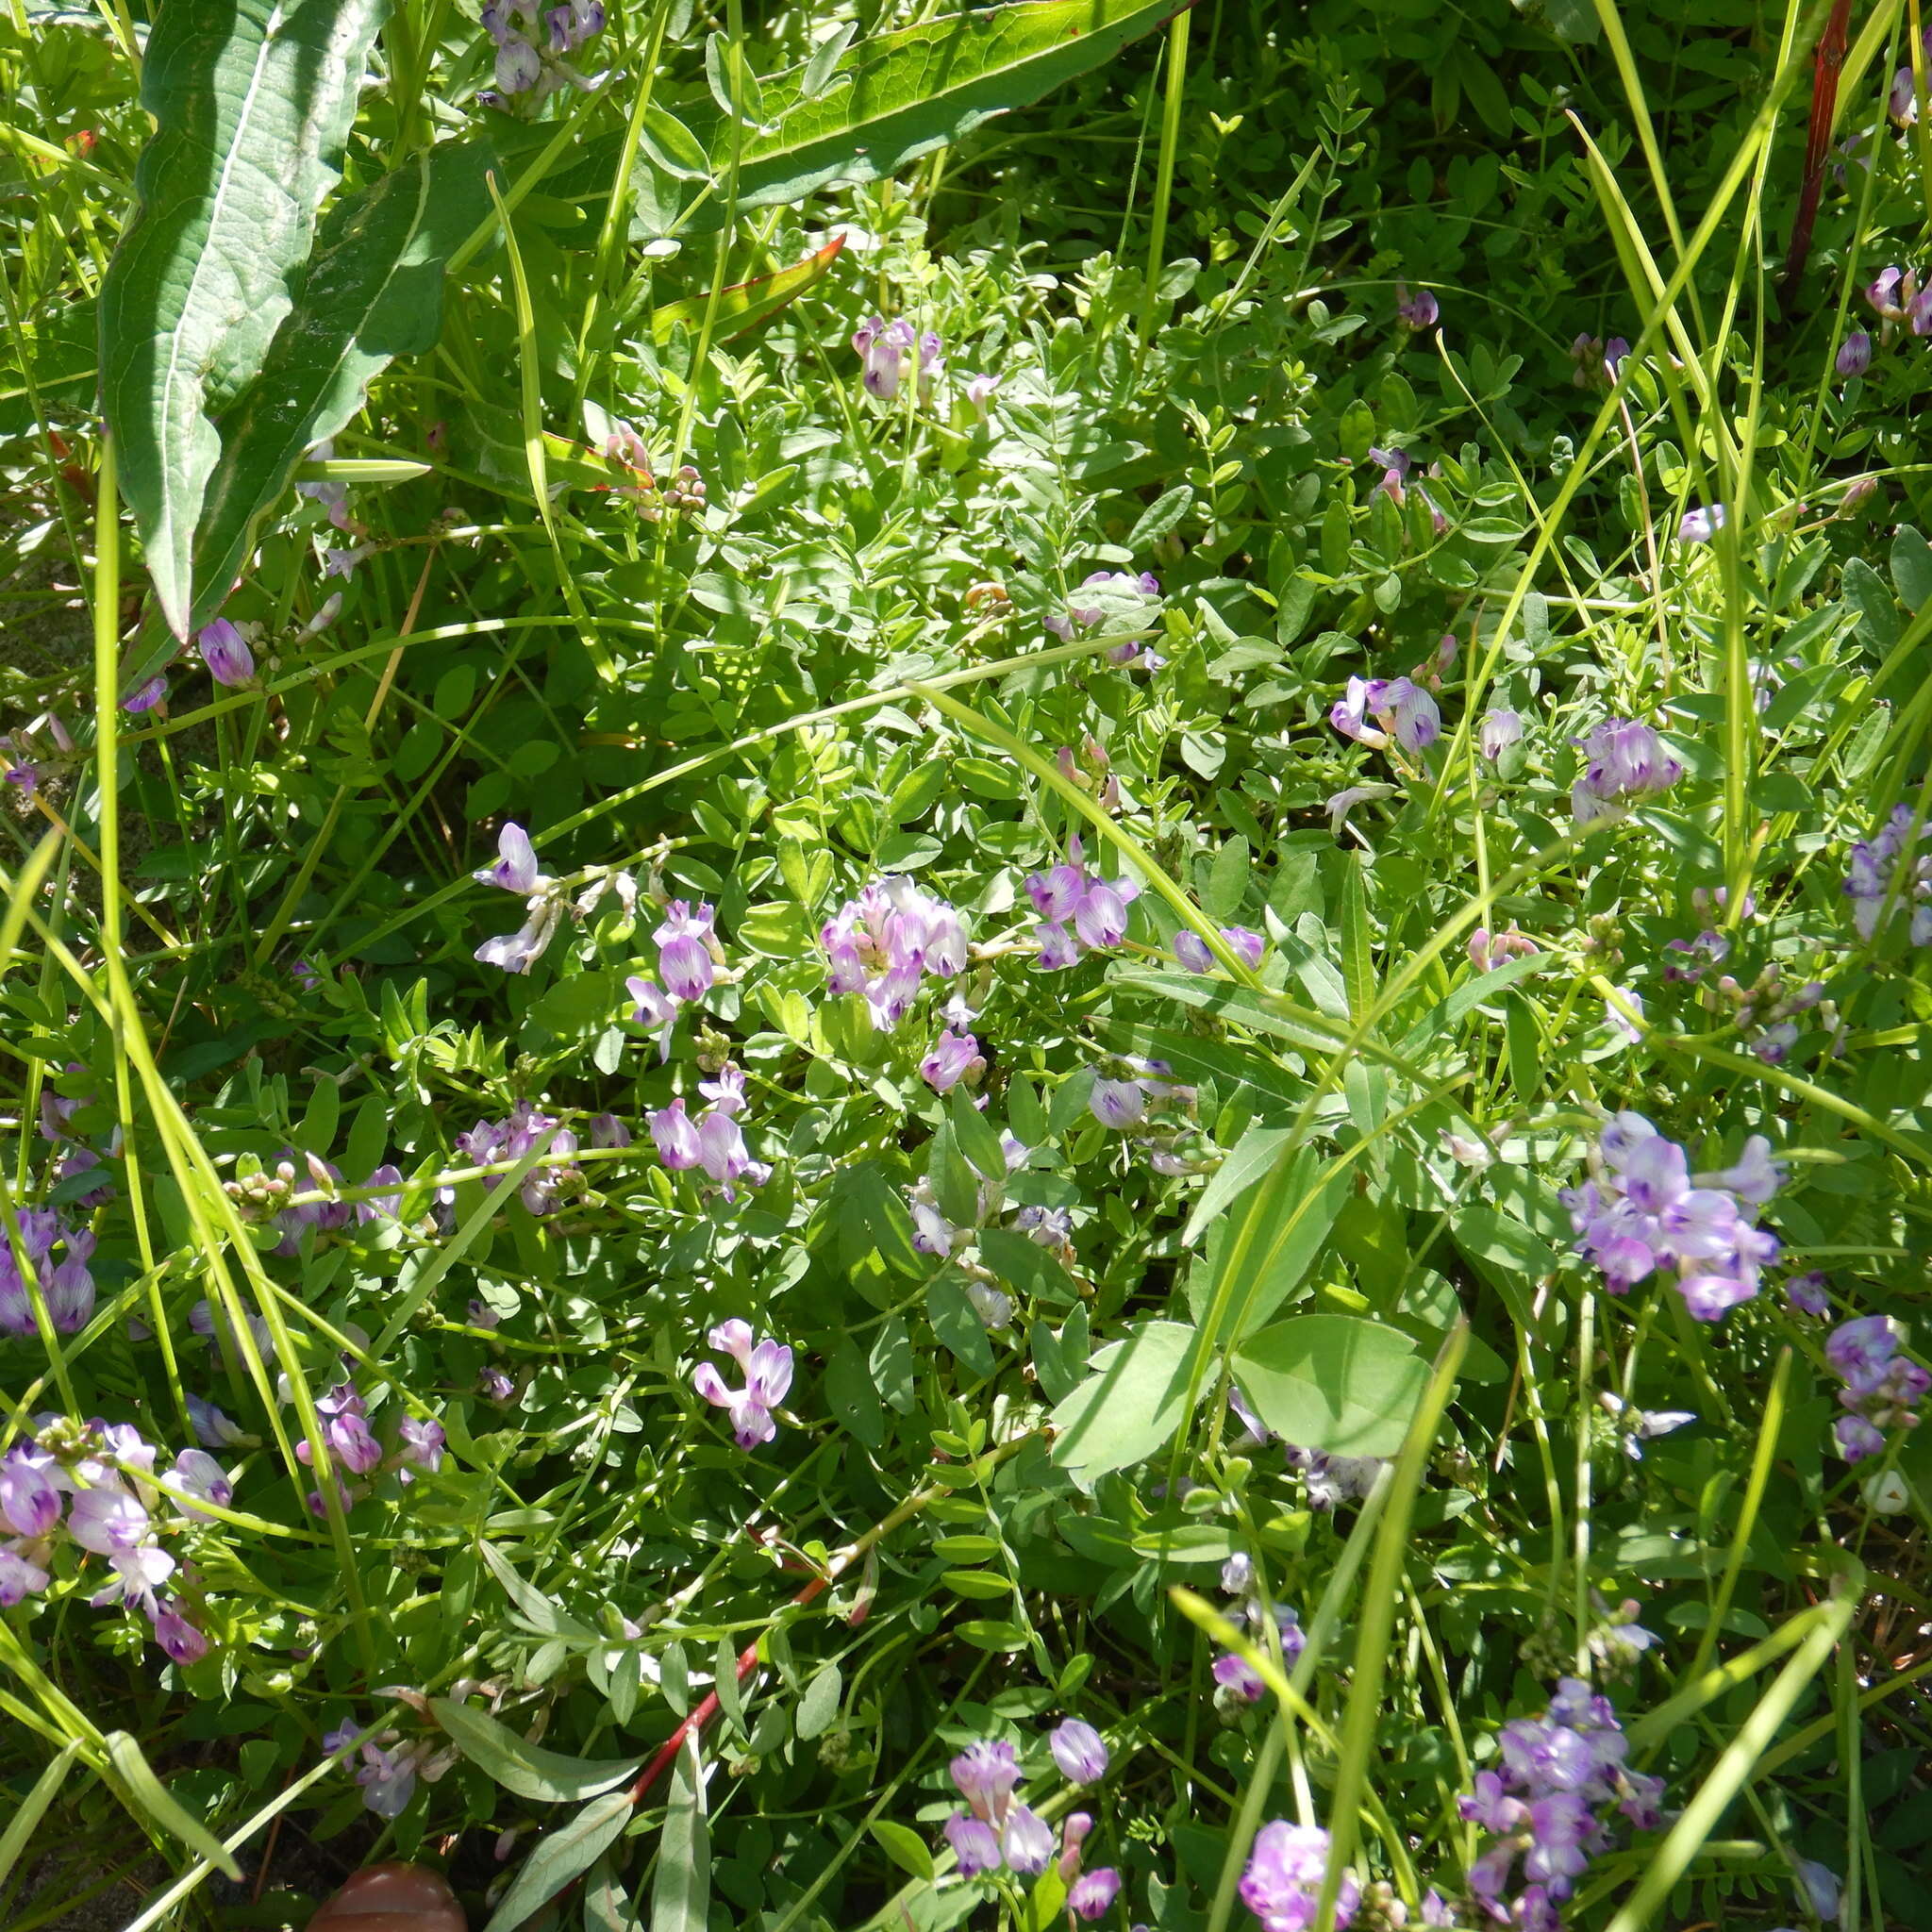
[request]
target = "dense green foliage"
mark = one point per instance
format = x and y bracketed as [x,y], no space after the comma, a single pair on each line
[904,510]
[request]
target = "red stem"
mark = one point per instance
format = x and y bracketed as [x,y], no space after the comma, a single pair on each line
[1827,63]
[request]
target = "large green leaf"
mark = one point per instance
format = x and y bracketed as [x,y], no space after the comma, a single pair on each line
[252,102]
[373,293]
[1130,1404]
[681,1893]
[895,96]
[528,1769]
[1334,1383]
[561,1855]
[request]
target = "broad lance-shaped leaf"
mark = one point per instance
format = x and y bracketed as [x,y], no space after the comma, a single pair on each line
[373,293]
[252,101]
[899,96]
[746,304]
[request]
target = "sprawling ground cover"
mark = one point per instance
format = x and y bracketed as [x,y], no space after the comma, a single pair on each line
[966,969]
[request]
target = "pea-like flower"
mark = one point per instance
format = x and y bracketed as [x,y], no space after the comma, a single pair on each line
[675,1135]
[1282,1881]
[1496,733]
[515,869]
[882,347]
[1701,522]
[1886,876]
[1191,950]
[684,950]
[1401,708]
[884,943]
[1026,1842]
[1092,1896]
[1623,760]
[975,1844]
[983,1774]
[1854,353]
[954,1056]
[29,1501]
[767,1369]
[226,653]
[1079,1751]
[1420,310]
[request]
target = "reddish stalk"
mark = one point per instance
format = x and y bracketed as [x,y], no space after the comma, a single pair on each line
[1825,65]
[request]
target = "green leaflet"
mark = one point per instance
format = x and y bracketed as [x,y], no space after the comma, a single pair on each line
[373,293]
[252,103]
[916,90]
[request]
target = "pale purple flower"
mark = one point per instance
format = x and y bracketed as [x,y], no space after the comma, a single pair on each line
[389,1778]
[1818,1887]
[1755,1178]
[1701,522]
[1092,1896]
[1192,951]
[29,1502]
[883,943]
[1026,1842]
[767,1369]
[1074,1828]
[723,1155]
[655,1010]
[1623,760]
[146,697]
[954,1056]
[419,1440]
[1059,948]
[978,392]
[226,653]
[519,67]
[1351,712]
[985,1774]
[1116,1103]
[607,1130]
[515,869]
[1857,1439]
[675,1136]
[684,957]
[182,1641]
[1233,1672]
[881,347]
[975,1844]
[387,1205]
[108,1521]
[1860,1350]
[20,1576]
[198,1474]
[1284,1876]
[726,1092]
[1854,353]
[1420,310]
[1497,732]
[517,952]
[1079,1751]
[1809,1293]
[1884,871]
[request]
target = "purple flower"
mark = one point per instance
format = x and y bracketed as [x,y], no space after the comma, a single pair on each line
[107,1521]
[1026,1842]
[1809,1293]
[1286,1870]
[515,869]
[146,697]
[517,952]
[1079,1751]
[1622,760]
[954,1056]
[198,1474]
[1419,310]
[725,1092]
[182,1641]
[1091,1896]
[29,1502]
[1857,1439]
[1097,907]
[1192,951]
[1234,1673]
[985,1774]
[978,392]
[723,1155]
[389,1778]
[676,1137]
[1116,1103]
[1880,292]
[1497,732]
[767,1369]
[607,1130]
[974,1844]
[226,653]
[883,942]
[1859,1351]
[655,1010]
[1701,524]
[20,1577]
[421,1442]
[1885,873]
[881,347]
[684,957]
[1854,353]
[519,67]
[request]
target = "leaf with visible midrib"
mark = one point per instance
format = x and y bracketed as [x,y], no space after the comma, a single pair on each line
[252,102]
[373,293]
[915,90]
[528,1769]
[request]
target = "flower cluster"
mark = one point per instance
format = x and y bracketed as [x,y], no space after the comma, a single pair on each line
[1333,1480]
[66,1285]
[1401,708]
[1642,1211]
[1282,1881]
[999,1831]
[1896,296]
[1192,952]
[1488,950]
[883,348]
[883,942]
[532,42]
[26,759]
[391,1767]
[767,1369]
[1549,1805]
[1079,912]
[1886,876]
[491,1143]
[1622,761]
[516,871]
[1881,1386]
[353,1448]
[714,1141]
[1111,593]
[92,1486]
[1235,1674]
[683,494]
